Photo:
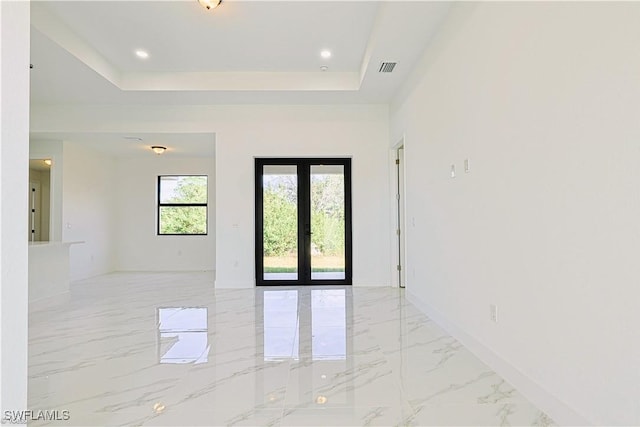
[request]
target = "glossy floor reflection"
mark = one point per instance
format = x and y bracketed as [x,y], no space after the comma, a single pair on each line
[168,349]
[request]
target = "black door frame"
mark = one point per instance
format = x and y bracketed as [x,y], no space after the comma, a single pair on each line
[304,220]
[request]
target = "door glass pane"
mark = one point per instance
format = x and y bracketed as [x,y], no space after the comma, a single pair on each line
[327,222]
[280,219]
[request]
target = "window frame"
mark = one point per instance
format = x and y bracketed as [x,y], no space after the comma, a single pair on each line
[169,205]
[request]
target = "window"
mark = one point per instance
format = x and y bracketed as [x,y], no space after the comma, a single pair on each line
[182,204]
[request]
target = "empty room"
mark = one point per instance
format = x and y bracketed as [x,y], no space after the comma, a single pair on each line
[287,213]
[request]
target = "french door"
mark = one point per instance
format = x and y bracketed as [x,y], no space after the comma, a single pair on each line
[303,221]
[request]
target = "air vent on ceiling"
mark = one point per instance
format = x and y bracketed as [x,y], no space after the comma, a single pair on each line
[387,67]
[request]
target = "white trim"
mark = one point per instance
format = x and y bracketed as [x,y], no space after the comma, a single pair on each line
[393,183]
[393,215]
[380,284]
[235,284]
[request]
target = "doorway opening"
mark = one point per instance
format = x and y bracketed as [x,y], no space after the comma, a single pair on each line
[39,200]
[303,221]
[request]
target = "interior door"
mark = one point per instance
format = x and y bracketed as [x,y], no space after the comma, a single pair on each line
[303,221]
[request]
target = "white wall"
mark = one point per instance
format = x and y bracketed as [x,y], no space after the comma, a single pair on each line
[14,180]
[544,99]
[88,211]
[242,132]
[48,273]
[359,133]
[139,248]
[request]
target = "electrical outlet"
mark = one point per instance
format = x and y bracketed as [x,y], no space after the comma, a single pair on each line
[493,312]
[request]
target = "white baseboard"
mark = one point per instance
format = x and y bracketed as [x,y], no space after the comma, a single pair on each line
[559,411]
[371,285]
[235,284]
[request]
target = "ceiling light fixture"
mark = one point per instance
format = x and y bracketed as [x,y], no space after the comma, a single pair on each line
[210,4]
[158,149]
[142,54]
[48,162]
[326,54]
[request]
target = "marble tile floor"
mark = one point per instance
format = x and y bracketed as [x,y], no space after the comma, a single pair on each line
[168,349]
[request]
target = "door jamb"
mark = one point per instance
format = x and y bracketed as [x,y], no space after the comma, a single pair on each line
[397,223]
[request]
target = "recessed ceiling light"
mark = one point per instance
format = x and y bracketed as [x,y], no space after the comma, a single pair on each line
[143,54]
[326,54]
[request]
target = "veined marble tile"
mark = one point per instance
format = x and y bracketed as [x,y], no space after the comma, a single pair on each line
[108,390]
[352,381]
[505,414]
[445,372]
[345,416]
[232,389]
[169,349]
[266,418]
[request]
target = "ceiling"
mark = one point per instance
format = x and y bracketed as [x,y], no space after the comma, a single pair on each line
[243,52]
[238,36]
[136,144]
[39,165]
